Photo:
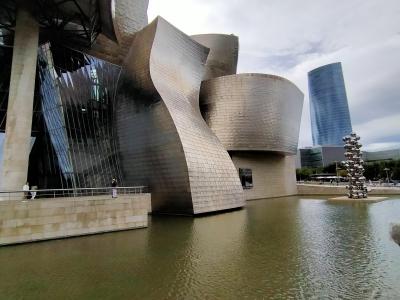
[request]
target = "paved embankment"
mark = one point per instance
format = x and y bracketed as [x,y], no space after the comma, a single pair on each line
[316,189]
[32,220]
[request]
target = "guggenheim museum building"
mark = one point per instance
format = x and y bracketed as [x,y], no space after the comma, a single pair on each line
[90,91]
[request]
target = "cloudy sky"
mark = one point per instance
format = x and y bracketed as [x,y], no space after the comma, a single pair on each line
[291,37]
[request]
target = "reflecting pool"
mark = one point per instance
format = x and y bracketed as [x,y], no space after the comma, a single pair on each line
[293,247]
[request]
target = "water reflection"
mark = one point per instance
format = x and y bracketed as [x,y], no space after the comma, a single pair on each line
[341,258]
[275,249]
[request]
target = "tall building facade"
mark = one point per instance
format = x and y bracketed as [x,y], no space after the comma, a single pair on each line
[329,110]
[320,156]
[111,96]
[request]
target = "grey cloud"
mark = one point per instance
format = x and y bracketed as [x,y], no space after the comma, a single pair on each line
[291,37]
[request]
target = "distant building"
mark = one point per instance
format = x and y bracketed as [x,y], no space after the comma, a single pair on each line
[320,156]
[330,116]
[381,155]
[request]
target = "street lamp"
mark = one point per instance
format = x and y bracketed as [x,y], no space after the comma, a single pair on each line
[337,175]
[387,174]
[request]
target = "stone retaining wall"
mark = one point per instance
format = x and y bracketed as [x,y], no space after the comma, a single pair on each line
[33,220]
[273,175]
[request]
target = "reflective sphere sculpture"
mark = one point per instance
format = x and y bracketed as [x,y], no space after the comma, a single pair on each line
[354,166]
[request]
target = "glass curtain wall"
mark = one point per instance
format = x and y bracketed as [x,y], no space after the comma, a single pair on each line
[77,99]
[329,111]
[311,158]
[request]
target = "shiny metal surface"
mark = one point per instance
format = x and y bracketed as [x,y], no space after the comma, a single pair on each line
[109,27]
[253,112]
[223,57]
[163,140]
[130,17]
[354,167]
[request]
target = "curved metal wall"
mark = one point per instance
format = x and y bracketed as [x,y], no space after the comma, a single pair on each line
[109,27]
[130,17]
[223,57]
[163,139]
[254,112]
[329,110]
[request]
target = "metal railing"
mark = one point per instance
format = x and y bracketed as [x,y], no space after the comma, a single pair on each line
[70,193]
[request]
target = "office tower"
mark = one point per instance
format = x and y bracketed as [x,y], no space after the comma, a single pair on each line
[330,116]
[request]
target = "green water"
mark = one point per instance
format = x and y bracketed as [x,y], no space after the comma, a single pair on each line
[286,248]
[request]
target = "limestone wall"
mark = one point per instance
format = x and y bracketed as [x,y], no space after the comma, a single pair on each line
[32,220]
[273,174]
[308,189]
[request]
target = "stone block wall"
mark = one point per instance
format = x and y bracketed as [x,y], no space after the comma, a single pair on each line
[308,189]
[274,175]
[42,219]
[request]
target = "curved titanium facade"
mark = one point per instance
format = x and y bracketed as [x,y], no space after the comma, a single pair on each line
[163,139]
[130,17]
[109,27]
[329,110]
[253,112]
[223,57]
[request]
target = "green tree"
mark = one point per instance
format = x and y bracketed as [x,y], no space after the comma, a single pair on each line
[376,170]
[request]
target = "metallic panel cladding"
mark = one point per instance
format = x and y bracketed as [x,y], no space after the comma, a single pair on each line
[223,57]
[253,112]
[130,16]
[163,139]
[329,110]
[107,15]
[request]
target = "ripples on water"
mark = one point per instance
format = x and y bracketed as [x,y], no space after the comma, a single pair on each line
[286,248]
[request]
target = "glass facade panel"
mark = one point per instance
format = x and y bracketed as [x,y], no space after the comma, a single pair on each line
[77,93]
[330,116]
[311,157]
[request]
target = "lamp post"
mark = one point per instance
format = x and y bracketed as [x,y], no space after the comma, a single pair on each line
[336,169]
[387,174]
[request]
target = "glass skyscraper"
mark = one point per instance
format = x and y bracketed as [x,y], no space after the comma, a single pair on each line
[330,116]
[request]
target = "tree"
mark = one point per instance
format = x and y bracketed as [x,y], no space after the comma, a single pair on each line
[376,170]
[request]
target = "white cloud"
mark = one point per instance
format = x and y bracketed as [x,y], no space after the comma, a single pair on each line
[370,73]
[379,130]
[291,37]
